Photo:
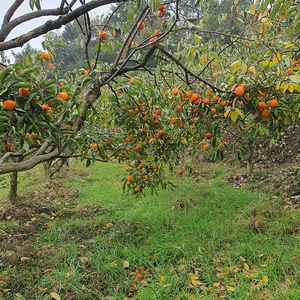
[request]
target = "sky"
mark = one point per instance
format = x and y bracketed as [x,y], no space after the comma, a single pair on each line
[27,26]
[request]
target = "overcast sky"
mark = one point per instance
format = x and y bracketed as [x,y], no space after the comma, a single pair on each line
[27,26]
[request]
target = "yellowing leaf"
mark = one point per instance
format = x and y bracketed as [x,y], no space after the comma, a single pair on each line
[276,58]
[252,9]
[262,30]
[267,22]
[183,140]
[55,296]
[278,85]
[265,278]
[236,63]
[203,59]
[244,67]
[246,267]
[230,288]
[234,116]
[291,88]
[267,63]
[196,282]
[226,113]
[284,86]
[178,46]
[288,46]
[252,69]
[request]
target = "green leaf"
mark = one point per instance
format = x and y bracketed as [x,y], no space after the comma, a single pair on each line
[295,78]
[214,55]
[154,5]
[38,4]
[31,3]
[22,84]
[275,8]
[130,16]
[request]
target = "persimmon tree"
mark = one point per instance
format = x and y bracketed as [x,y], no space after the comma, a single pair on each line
[174,88]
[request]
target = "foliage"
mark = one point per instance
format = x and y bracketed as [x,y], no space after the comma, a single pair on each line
[123,107]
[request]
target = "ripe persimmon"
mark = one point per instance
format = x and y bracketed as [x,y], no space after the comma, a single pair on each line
[175,91]
[93,145]
[265,113]
[206,147]
[63,95]
[213,111]
[141,27]
[130,178]
[152,40]
[178,108]
[194,97]
[173,120]
[137,147]
[208,136]
[180,172]
[23,92]
[262,105]
[181,125]
[138,188]
[160,132]
[147,178]
[9,104]
[205,100]
[294,63]
[103,35]
[161,14]
[46,56]
[289,71]
[115,34]
[239,90]
[273,103]
[127,169]
[131,79]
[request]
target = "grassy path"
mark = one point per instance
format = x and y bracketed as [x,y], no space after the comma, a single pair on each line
[204,240]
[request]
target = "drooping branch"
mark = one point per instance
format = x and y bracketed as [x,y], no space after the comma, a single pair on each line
[11,11]
[181,65]
[49,25]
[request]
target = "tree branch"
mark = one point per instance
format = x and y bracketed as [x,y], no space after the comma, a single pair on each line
[49,25]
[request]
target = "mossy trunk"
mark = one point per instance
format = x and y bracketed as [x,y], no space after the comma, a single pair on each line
[47,171]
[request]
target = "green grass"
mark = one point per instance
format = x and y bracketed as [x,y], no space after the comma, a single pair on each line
[204,240]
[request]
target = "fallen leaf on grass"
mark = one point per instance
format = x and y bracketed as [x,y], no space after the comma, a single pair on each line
[83,259]
[55,296]
[42,289]
[125,264]
[6,290]
[246,267]
[144,282]
[230,288]
[24,259]
[161,278]
[47,271]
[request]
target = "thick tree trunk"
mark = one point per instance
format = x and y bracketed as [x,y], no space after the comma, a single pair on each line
[12,196]
[47,171]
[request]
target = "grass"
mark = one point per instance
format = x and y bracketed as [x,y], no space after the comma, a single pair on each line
[86,239]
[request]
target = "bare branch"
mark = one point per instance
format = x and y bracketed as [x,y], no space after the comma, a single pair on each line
[49,25]
[11,11]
